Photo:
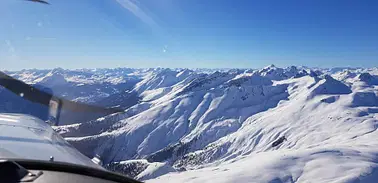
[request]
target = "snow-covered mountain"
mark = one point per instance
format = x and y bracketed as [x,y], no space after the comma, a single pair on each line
[101,87]
[82,85]
[191,126]
[205,125]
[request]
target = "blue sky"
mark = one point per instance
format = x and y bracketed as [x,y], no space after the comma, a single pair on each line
[193,33]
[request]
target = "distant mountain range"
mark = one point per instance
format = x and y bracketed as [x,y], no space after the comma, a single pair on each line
[182,125]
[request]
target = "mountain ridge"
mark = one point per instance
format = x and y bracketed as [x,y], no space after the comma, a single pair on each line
[197,125]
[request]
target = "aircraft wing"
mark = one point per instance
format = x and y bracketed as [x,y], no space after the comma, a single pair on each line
[26,137]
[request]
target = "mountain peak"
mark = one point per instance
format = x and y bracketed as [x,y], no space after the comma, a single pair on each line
[58,70]
[271,66]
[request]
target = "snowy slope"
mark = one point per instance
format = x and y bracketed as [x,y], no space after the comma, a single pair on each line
[87,86]
[140,169]
[314,139]
[220,126]
[329,140]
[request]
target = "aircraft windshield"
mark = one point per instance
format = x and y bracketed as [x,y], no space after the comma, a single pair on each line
[193,90]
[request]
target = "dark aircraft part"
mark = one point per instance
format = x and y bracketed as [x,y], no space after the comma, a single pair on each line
[39,1]
[13,171]
[55,104]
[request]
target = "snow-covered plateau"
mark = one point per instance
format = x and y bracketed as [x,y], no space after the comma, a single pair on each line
[182,125]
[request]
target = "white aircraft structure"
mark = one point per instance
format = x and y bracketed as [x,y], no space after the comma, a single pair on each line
[31,151]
